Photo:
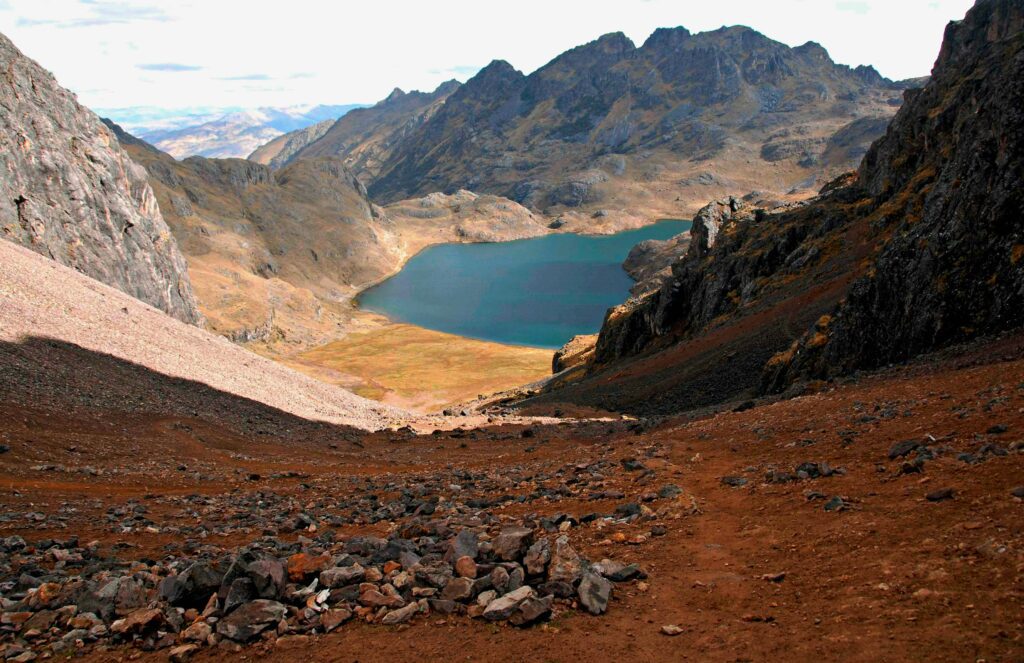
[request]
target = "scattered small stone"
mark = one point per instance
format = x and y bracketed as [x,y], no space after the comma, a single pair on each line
[901,449]
[182,653]
[251,619]
[940,495]
[836,503]
[503,607]
[734,481]
[594,592]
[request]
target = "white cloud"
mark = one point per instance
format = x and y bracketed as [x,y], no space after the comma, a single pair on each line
[323,51]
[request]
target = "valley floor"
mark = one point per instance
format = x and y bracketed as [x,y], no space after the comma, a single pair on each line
[419,369]
[750,565]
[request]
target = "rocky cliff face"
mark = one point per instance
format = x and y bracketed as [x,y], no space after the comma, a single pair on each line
[947,179]
[275,256]
[366,137]
[70,192]
[278,152]
[923,247]
[689,292]
[616,128]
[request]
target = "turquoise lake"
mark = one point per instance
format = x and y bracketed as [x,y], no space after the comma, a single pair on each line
[538,292]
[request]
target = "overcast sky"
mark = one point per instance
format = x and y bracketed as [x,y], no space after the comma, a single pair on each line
[176,53]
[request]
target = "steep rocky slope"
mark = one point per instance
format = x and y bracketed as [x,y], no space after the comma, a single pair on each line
[54,323]
[277,255]
[69,192]
[366,138]
[274,256]
[623,130]
[921,248]
[947,180]
[280,151]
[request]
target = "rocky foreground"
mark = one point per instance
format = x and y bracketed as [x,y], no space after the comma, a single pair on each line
[878,517]
[447,553]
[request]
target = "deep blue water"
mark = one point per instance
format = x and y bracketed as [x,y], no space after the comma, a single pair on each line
[538,292]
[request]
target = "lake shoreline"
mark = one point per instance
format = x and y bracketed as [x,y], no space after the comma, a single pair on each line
[598,258]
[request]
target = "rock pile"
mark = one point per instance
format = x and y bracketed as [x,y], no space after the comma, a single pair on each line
[59,596]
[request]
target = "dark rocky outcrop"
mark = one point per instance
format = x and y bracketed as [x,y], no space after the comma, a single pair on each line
[949,263]
[694,292]
[921,248]
[70,192]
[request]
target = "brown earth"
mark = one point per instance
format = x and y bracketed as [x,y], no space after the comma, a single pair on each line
[894,577]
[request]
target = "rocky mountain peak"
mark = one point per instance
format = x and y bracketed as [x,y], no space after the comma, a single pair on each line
[666,39]
[495,73]
[395,95]
[615,43]
[813,50]
[446,88]
[989,21]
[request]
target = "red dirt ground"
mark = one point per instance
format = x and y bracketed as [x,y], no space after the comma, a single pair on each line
[896,577]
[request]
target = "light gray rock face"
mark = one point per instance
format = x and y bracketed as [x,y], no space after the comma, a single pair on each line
[707,223]
[69,191]
[292,143]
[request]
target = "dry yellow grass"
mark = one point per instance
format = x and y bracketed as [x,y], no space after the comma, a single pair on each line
[421,369]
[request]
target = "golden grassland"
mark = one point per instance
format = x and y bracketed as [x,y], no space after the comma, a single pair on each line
[418,368]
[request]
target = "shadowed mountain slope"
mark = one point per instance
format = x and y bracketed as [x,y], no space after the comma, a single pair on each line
[920,249]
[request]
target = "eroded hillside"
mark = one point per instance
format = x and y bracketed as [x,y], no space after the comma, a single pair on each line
[277,255]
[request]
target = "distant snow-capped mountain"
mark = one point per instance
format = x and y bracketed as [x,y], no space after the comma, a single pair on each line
[219,132]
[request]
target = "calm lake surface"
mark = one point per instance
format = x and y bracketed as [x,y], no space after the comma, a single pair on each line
[538,292]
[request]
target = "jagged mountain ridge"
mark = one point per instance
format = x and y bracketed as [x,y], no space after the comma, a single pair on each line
[612,126]
[365,138]
[920,249]
[278,152]
[69,192]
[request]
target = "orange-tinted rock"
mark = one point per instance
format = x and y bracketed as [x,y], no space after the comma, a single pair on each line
[302,565]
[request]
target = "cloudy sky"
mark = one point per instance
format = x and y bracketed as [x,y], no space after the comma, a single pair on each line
[178,53]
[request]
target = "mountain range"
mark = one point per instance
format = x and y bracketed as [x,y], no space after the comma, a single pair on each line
[221,132]
[626,131]
[919,249]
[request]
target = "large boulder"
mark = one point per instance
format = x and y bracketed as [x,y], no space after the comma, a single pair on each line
[511,543]
[251,619]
